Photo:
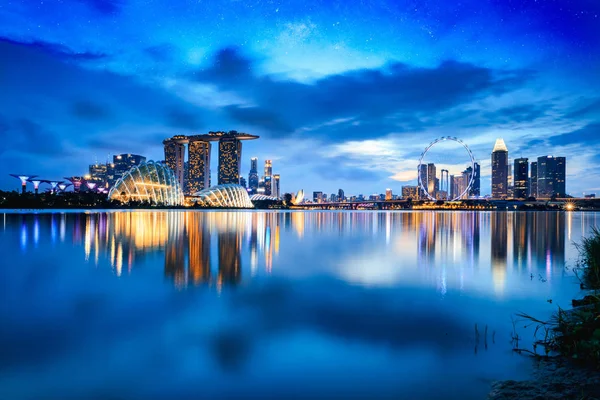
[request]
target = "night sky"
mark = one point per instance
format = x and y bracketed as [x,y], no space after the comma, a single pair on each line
[344,94]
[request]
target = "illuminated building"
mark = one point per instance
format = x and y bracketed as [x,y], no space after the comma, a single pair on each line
[388,194]
[223,196]
[521,181]
[262,197]
[510,189]
[243,183]
[175,156]
[276,186]
[431,179]
[499,170]
[341,196]
[198,173]
[253,176]
[230,153]
[410,192]
[98,173]
[268,168]
[148,182]
[24,179]
[268,185]
[317,197]
[475,190]
[551,173]
[298,198]
[533,185]
[63,186]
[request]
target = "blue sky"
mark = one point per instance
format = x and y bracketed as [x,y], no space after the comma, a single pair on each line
[343,94]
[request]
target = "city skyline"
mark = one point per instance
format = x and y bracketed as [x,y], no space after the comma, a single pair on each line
[290,73]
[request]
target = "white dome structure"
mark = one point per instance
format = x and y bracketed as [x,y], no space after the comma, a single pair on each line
[151,182]
[298,198]
[259,197]
[224,196]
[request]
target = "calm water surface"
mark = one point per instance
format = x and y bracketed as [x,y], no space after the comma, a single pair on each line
[190,305]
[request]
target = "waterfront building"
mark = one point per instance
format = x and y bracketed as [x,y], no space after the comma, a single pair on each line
[317,197]
[431,180]
[175,156]
[268,185]
[499,170]
[223,196]
[268,168]
[533,184]
[388,194]
[253,176]
[148,182]
[230,153]
[98,174]
[521,181]
[276,186]
[340,195]
[198,171]
[551,176]
[475,190]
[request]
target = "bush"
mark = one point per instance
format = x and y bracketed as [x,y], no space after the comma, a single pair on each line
[589,259]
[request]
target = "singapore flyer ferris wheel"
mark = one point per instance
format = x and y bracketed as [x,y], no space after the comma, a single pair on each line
[428,181]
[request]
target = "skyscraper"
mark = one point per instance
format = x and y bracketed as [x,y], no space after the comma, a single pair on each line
[268,168]
[388,194]
[551,176]
[431,179]
[533,183]
[253,176]
[499,170]
[276,187]
[561,177]
[175,156]
[268,178]
[340,195]
[317,197]
[521,181]
[198,173]
[476,187]
[230,154]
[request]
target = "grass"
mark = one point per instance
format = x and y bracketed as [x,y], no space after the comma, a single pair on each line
[573,333]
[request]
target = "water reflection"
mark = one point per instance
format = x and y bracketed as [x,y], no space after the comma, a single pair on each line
[227,247]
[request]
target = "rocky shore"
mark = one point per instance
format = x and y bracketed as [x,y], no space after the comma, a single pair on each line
[554,378]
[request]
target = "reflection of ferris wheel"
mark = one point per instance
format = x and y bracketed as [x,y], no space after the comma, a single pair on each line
[472,175]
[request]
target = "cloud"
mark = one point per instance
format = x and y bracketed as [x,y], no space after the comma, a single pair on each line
[23,135]
[338,168]
[398,94]
[518,113]
[588,135]
[55,50]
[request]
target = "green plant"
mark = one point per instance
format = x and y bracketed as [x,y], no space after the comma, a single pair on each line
[589,259]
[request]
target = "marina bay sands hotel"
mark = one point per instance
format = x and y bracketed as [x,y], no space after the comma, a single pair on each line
[197,174]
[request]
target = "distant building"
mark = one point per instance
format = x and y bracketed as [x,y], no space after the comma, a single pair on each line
[476,187]
[499,170]
[317,197]
[98,173]
[243,182]
[253,176]
[388,194]
[590,196]
[521,180]
[431,179]
[276,187]
[268,185]
[551,173]
[340,195]
[533,180]
[268,168]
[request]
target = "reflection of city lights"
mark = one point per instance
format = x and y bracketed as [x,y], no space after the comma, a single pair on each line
[36,231]
[23,236]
